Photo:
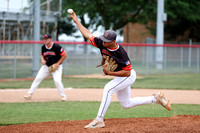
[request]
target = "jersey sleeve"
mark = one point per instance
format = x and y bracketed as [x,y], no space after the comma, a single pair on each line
[62,52]
[92,41]
[128,66]
[96,42]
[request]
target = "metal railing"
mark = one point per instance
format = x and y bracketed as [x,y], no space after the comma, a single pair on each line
[16,58]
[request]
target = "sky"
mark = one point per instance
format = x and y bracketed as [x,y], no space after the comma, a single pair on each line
[18,5]
[13,5]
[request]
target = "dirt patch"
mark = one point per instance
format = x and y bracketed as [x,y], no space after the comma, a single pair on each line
[51,94]
[177,124]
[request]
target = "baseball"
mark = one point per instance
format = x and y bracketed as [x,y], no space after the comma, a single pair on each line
[70,11]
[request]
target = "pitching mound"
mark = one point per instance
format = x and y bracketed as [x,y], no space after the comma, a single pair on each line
[182,123]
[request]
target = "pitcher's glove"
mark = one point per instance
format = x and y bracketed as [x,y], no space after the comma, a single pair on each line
[52,68]
[108,64]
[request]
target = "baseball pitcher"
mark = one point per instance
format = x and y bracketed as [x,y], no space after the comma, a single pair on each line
[115,62]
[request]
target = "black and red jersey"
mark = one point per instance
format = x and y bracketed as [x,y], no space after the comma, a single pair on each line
[53,54]
[118,54]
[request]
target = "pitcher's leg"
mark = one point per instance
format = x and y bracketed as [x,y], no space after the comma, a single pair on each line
[105,102]
[43,73]
[114,85]
[57,76]
[126,101]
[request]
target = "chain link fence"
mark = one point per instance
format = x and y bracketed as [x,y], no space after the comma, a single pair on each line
[16,59]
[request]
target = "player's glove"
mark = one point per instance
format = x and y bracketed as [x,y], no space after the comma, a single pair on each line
[108,64]
[52,68]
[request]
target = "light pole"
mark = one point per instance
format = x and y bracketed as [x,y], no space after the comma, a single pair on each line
[161,17]
[36,33]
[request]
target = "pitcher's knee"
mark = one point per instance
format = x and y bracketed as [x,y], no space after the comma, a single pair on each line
[108,89]
[125,104]
[57,82]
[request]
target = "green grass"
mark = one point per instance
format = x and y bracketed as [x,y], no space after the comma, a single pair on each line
[19,113]
[179,81]
[22,70]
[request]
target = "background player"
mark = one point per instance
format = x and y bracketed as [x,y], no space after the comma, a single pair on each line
[51,54]
[124,75]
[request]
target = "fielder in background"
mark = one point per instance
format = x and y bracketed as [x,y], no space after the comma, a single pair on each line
[124,75]
[52,56]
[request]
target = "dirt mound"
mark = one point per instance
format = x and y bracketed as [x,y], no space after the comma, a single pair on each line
[176,124]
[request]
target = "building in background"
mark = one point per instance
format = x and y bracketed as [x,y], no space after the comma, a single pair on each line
[136,33]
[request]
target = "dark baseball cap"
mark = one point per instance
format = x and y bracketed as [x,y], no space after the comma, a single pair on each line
[47,36]
[108,36]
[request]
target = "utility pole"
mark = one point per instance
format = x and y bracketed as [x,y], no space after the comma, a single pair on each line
[36,33]
[161,17]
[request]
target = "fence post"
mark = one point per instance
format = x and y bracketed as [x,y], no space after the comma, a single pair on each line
[87,60]
[15,62]
[198,60]
[128,51]
[147,60]
[189,54]
[165,60]
[181,61]
[65,67]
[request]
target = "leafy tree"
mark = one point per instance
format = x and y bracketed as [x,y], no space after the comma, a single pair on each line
[111,14]
[65,27]
[183,20]
[80,7]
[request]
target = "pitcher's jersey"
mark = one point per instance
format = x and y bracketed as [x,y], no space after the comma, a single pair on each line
[53,54]
[118,54]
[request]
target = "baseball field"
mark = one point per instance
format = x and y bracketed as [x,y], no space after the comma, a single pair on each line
[45,112]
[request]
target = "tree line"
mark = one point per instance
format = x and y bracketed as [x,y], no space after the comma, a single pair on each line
[183,16]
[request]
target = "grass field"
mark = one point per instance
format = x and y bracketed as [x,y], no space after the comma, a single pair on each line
[18,113]
[181,82]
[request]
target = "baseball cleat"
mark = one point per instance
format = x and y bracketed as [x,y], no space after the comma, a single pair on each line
[162,100]
[95,124]
[63,98]
[28,96]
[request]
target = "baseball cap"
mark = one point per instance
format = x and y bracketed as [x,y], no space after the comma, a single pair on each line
[108,36]
[47,36]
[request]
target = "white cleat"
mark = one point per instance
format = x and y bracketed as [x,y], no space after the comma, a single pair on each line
[95,124]
[162,100]
[28,96]
[63,98]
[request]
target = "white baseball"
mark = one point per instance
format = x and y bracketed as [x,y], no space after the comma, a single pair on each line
[70,11]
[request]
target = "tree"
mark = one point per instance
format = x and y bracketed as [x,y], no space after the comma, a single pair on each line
[80,7]
[111,14]
[183,19]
